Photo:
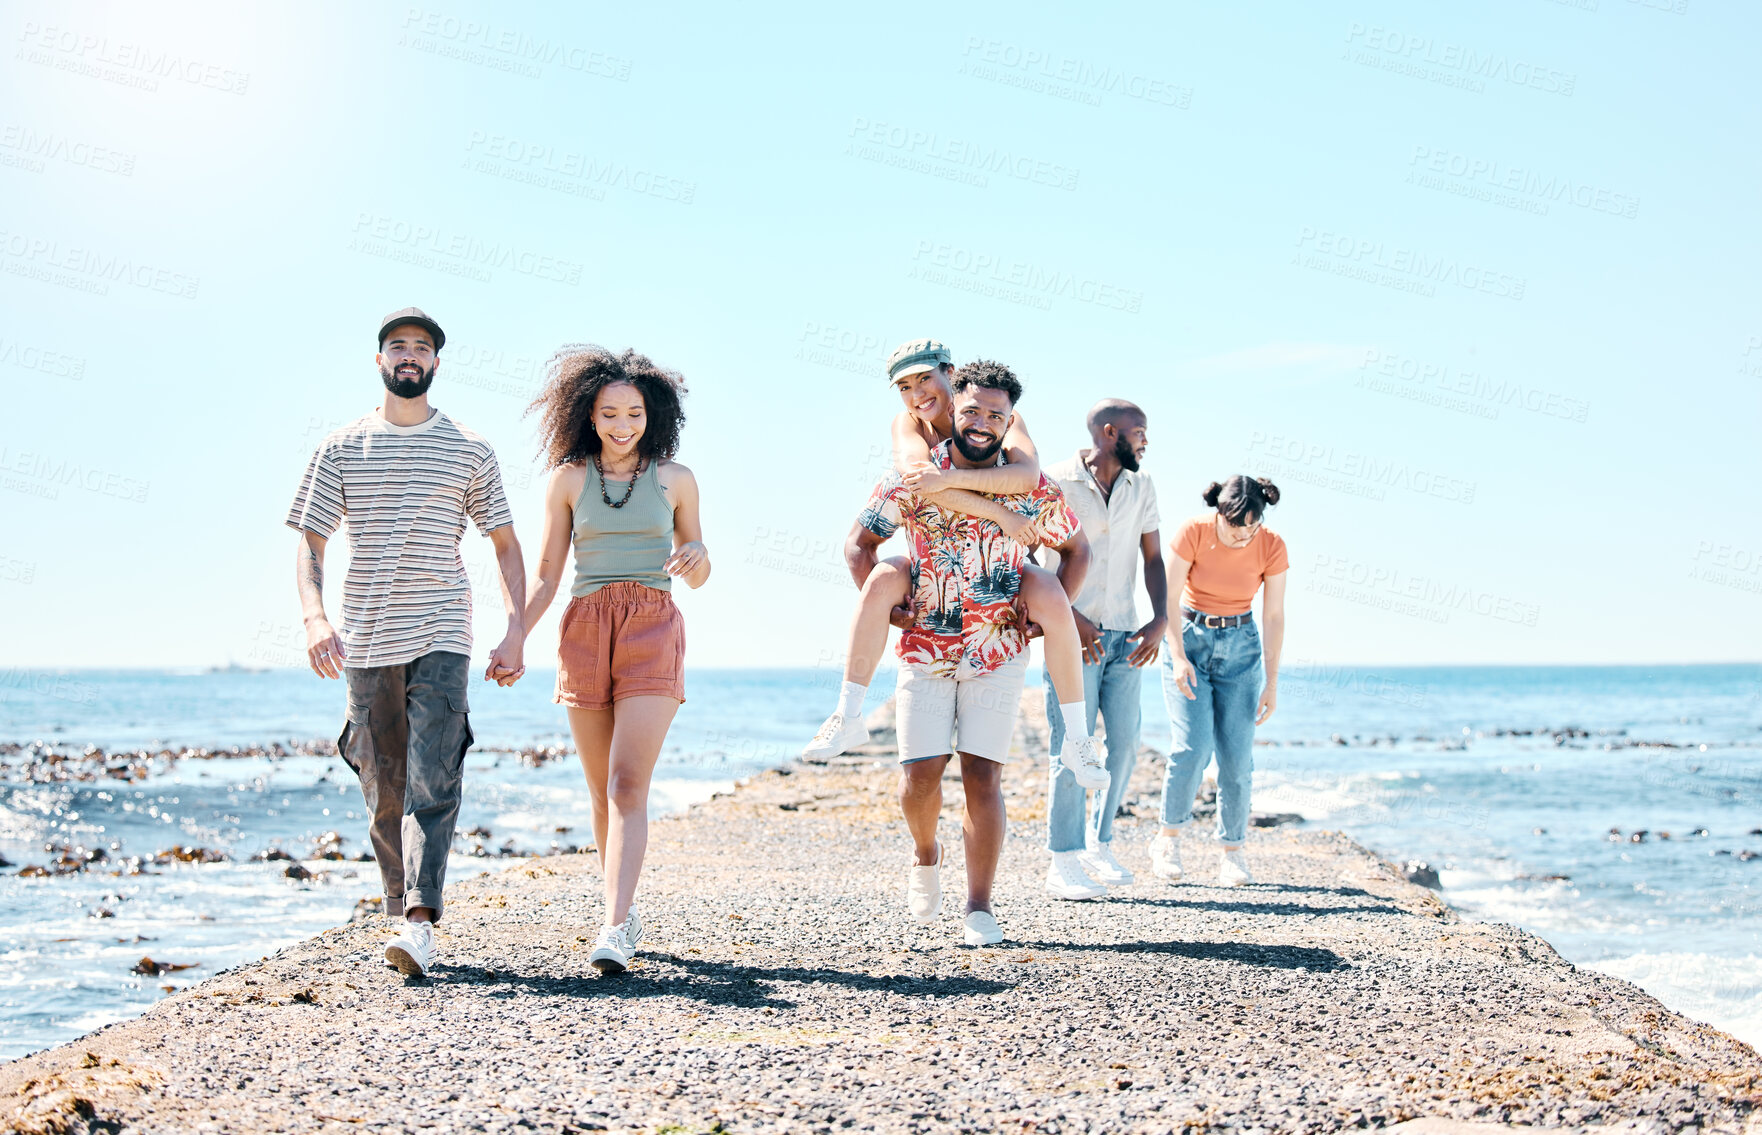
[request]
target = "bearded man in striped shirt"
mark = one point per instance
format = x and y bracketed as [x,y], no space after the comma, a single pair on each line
[406,477]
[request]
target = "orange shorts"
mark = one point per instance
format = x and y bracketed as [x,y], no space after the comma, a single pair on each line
[623,641]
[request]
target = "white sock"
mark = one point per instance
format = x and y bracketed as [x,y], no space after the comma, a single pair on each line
[1076,718]
[850,699]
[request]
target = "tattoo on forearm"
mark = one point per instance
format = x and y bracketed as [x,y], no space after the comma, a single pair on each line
[314,571]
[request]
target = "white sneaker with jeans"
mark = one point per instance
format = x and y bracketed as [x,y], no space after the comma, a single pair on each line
[1233,871]
[1098,861]
[1084,761]
[923,890]
[616,945]
[1165,857]
[839,734]
[1065,878]
[412,951]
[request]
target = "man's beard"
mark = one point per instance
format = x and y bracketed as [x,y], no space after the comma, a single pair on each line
[407,387]
[1125,455]
[978,456]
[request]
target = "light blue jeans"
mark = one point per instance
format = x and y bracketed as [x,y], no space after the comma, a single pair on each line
[1112,688]
[1220,720]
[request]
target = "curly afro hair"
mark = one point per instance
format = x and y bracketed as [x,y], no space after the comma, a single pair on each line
[987,374]
[574,378]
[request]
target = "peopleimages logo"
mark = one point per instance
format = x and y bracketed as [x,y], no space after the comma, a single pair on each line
[1033,281]
[877,141]
[86,269]
[1449,63]
[130,63]
[1314,459]
[1359,253]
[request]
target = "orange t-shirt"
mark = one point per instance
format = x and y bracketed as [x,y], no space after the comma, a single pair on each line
[1223,580]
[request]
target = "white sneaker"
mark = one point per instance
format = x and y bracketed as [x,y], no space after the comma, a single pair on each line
[1098,861]
[616,945]
[1084,760]
[412,951]
[982,929]
[923,890]
[836,736]
[1233,871]
[1065,878]
[1165,857]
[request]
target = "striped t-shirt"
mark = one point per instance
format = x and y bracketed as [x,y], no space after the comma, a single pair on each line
[406,491]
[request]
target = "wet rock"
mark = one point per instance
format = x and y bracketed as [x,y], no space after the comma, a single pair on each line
[297,872]
[151,968]
[181,854]
[274,854]
[1638,837]
[328,846]
[5,862]
[370,907]
[1273,819]
[1423,874]
[479,833]
[1746,855]
[364,857]
[33,871]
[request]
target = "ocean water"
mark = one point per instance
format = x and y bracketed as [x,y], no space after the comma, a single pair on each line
[1524,787]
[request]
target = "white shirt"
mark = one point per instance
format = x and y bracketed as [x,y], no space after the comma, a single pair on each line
[1114,525]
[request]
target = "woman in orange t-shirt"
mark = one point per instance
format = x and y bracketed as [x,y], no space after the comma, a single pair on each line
[1213,674]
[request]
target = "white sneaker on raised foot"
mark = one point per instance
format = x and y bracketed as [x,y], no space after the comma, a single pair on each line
[923,890]
[1084,760]
[838,735]
[1233,871]
[1098,861]
[1066,880]
[616,945]
[982,929]
[1165,857]
[412,951]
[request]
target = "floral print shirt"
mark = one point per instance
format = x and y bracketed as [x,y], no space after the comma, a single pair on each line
[965,572]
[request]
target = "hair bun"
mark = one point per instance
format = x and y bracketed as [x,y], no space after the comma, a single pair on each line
[1211,494]
[1269,490]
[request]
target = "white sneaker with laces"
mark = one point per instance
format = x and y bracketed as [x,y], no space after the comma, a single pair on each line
[982,929]
[1098,862]
[1165,857]
[412,951]
[1084,760]
[616,945]
[838,735]
[923,890]
[1233,871]
[1066,880]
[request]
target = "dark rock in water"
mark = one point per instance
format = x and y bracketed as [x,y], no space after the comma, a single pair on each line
[5,862]
[181,854]
[1637,837]
[274,854]
[1698,831]
[151,968]
[1274,819]
[367,908]
[1701,833]
[1538,831]
[478,833]
[295,871]
[1614,835]
[33,871]
[1422,873]
[364,857]
[1663,835]
[1746,855]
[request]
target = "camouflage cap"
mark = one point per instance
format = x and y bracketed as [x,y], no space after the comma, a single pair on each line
[916,357]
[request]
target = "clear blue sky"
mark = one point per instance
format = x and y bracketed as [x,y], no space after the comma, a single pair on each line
[1475,283]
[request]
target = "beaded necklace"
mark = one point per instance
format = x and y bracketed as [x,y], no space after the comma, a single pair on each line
[629,489]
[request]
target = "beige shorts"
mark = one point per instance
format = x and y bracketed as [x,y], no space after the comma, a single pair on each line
[939,716]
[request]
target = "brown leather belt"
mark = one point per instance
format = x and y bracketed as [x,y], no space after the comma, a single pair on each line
[1215,622]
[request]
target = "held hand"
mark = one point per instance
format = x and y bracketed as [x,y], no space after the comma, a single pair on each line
[902,617]
[1185,677]
[1089,635]
[926,479]
[1149,640]
[1269,701]
[324,650]
[1033,629]
[687,558]
[505,662]
[1016,528]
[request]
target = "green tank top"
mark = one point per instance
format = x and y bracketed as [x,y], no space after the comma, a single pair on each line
[617,544]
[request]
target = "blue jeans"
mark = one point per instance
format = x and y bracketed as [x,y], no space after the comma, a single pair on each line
[1112,688]
[1220,720]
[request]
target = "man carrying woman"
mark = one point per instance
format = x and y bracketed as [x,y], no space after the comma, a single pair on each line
[626,513]
[1219,679]
[920,371]
[962,665]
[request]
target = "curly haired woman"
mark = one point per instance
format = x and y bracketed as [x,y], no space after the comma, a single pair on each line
[628,512]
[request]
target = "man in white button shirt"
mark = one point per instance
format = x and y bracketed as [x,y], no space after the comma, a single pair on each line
[1116,504]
